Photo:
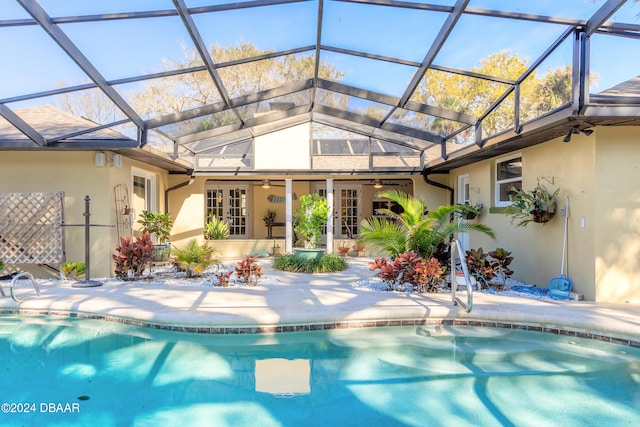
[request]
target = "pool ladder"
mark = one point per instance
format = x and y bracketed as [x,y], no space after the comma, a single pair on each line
[455,247]
[24,275]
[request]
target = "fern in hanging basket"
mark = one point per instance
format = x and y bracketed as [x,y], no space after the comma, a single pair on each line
[537,205]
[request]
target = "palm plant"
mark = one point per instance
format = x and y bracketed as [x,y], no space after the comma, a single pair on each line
[413,230]
[194,258]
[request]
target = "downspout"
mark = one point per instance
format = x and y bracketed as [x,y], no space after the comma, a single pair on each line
[175,187]
[425,177]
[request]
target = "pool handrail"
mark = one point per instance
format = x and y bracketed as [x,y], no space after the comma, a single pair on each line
[455,247]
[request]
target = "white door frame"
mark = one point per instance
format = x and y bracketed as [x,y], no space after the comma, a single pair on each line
[150,190]
[463,198]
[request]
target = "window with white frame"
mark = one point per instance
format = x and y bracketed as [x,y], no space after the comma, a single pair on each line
[508,179]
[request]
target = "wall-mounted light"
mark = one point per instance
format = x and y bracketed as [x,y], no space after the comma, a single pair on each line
[377,184]
[101,159]
[266,183]
[116,161]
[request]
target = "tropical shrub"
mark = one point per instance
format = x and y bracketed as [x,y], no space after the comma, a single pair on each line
[73,270]
[133,256]
[479,266]
[423,275]
[327,264]
[489,270]
[157,224]
[413,230]
[216,228]
[248,270]
[193,258]
[500,263]
[309,219]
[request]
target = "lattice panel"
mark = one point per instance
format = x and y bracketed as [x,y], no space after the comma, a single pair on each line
[31,228]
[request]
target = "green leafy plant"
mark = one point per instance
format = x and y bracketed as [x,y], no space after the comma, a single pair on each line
[310,217]
[327,264]
[133,256]
[157,224]
[73,270]
[248,270]
[423,275]
[216,228]
[270,217]
[413,230]
[537,205]
[193,258]
[1,265]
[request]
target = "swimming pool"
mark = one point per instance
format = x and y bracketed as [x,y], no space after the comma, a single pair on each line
[73,372]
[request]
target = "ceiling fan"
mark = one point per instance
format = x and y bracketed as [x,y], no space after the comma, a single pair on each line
[267,183]
[378,183]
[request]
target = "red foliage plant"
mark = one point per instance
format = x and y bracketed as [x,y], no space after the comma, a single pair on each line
[410,268]
[248,270]
[133,256]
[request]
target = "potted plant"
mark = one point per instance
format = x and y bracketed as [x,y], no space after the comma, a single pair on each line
[275,249]
[473,211]
[310,217]
[216,228]
[269,218]
[343,249]
[160,226]
[537,205]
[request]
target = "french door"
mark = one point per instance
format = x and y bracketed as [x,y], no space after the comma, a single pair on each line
[229,202]
[346,209]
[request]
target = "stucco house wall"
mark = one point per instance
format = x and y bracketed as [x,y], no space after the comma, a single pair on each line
[75,173]
[598,173]
[617,215]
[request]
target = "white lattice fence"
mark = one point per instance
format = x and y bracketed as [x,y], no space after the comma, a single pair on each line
[31,228]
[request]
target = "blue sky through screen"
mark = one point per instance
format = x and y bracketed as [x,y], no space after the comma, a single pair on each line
[128,48]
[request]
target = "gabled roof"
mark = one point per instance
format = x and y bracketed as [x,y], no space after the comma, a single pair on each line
[449,81]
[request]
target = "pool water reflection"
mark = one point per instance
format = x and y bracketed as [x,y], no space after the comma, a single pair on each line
[122,375]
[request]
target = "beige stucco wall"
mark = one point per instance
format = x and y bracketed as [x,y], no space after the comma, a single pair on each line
[76,174]
[617,214]
[598,174]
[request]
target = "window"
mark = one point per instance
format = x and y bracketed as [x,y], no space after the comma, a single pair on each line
[508,179]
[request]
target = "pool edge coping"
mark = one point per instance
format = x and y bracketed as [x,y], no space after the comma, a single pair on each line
[346,324]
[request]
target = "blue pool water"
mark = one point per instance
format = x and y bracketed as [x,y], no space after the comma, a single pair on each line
[79,372]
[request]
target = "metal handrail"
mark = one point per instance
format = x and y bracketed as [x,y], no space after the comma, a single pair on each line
[454,284]
[23,275]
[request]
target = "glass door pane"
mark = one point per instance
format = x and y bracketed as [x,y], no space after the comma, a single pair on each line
[237,212]
[229,203]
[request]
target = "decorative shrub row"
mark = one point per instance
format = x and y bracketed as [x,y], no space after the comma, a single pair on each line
[327,264]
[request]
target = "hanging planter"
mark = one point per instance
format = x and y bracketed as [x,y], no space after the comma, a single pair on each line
[474,212]
[541,216]
[537,205]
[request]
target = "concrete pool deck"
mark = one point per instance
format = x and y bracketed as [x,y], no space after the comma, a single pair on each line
[295,301]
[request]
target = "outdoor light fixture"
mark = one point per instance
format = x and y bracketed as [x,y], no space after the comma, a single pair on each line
[266,183]
[576,130]
[101,159]
[377,184]
[116,161]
